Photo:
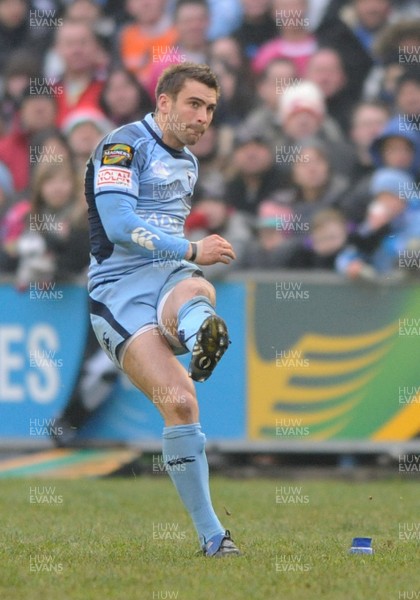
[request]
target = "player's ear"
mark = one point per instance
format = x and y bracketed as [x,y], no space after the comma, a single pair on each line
[164,103]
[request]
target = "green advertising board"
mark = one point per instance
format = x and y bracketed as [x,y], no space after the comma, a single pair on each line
[333,360]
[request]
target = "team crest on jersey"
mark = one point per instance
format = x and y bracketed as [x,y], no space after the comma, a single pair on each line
[117,154]
[160,169]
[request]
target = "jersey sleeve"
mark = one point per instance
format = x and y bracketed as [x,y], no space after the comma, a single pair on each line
[116,188]
[124,227]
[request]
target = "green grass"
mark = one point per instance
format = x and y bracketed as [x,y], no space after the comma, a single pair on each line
[100,538]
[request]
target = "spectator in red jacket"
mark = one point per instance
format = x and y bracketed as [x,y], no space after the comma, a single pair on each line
[36,113]
[78,88]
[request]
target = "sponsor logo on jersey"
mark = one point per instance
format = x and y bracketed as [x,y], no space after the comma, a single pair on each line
[117,154]
[144,238]
[114,176]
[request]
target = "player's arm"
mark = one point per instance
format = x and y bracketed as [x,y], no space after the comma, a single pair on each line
[125,228]
[115,187]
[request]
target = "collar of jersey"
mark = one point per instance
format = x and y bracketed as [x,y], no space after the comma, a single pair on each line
[152,127]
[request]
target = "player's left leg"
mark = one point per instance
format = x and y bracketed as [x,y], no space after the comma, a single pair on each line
[188,314]
[150,364]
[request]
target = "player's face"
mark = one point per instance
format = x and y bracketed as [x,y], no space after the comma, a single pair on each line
[189,115]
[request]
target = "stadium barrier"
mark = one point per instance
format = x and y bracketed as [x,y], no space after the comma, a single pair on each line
[315,361]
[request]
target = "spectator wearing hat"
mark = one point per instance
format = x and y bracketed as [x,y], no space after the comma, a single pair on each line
[397,147]
[273,247]
[36,113]
[256,175]
[84,129]
[272,82]
[391,226]
[303,115]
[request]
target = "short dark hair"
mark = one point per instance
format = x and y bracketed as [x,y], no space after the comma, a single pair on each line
[173,78]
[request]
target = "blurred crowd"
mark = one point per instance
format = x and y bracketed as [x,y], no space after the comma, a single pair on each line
[312,160]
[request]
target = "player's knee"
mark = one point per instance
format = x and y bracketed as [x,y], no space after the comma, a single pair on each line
[185,407]
[200,287]
[210,293]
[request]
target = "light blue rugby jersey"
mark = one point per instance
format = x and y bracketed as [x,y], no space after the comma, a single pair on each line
[138,191]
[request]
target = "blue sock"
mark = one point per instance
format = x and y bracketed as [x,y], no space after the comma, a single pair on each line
[190,317]
[186,462]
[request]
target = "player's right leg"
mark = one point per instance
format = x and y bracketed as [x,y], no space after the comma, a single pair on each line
[151,366]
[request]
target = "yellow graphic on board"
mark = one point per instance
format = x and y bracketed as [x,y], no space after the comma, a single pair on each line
[286,395]
[403,426]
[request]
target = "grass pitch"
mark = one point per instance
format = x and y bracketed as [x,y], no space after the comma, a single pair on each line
[130,539]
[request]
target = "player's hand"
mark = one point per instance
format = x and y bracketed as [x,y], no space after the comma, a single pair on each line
[213,249]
